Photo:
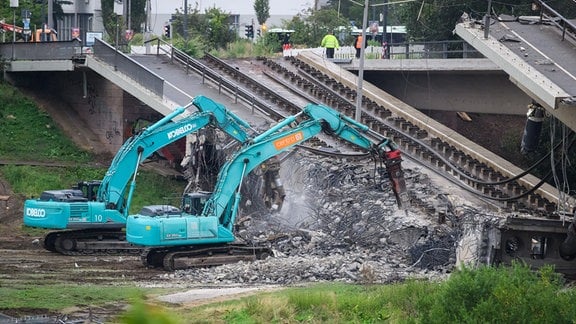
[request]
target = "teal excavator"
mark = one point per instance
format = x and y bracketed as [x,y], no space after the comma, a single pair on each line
[201,233]
[91,217]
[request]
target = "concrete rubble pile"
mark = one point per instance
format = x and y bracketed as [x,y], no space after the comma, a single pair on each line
[339,223]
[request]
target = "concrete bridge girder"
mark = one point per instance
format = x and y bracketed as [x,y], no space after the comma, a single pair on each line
[534,83]
[469,85]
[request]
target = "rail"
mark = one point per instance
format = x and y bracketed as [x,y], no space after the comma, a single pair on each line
[566,26]
[449,49]
[436,50]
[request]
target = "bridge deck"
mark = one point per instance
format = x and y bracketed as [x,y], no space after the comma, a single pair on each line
[542,48]
[536,59]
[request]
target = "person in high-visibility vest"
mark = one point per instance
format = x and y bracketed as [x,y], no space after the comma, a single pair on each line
[330,42]
[358,45]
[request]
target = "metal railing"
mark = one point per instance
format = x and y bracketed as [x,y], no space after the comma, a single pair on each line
[435,50]
[192,65]
[414,50]
[124,64]
[554,18]
[38,51]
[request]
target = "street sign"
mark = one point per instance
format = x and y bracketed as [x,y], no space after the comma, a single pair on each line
[91,36]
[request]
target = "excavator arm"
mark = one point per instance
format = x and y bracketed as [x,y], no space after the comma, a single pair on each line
[276,140]
[162,133]
[110,207]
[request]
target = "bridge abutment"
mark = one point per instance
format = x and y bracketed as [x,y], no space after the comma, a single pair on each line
[98,115]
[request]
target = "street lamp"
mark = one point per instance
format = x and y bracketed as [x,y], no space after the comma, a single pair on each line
[359,94]
[13,5]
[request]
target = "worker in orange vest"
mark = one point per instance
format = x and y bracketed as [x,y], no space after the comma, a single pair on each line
[358,45]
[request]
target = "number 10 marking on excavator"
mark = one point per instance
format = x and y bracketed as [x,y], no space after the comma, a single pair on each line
[288,140]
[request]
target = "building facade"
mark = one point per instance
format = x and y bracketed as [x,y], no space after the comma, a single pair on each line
[83,18]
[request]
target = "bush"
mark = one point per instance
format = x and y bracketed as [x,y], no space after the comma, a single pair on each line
[194,47]
[513,294]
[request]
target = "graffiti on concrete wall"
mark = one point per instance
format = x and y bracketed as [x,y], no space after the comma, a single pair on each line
[92,97]
[113,132]
[102,115]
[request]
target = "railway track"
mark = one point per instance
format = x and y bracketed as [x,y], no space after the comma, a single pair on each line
[535,237]
[487,178]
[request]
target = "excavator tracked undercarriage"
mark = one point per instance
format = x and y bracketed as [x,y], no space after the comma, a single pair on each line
[171,259]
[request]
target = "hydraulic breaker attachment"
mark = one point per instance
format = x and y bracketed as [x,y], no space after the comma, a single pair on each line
[396,176]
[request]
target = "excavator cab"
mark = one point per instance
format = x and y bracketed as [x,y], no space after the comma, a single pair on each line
[193,202]
[89,189]
[81,192]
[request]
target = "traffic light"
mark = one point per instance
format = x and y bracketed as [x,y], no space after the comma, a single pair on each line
[167,31]
[249,31]
[259,33]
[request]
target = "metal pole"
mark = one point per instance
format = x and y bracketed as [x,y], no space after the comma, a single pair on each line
[385,29]
[359,94]
[116,44]
[129,11]
[147,32]
[487,20]
[13,33]
[50,13]
[185,32]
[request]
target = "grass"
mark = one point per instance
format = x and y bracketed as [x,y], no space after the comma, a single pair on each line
[488,295]
[151,188]
[264,47]
[31,135]
[60,296]
[484,295]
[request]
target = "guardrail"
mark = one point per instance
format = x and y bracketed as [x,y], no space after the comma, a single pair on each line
[38,51]
[450,49]
[223,84]
[433,50]
[556,19]
[123,63]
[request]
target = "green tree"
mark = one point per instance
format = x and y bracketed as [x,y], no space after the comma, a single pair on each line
[219,31]
[195,22]
[38,12]
[137,15]
[434,20]
[349,10]
[211,30]
[311,25]
[262,9]
[114,23]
